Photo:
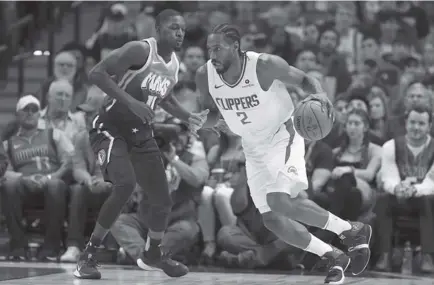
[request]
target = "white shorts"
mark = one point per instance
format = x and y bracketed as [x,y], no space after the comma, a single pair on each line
[267,170]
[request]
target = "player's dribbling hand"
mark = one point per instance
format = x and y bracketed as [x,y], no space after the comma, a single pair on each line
[143,111]
[197,120]
[326,104]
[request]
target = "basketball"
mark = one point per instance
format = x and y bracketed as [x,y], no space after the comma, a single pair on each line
[311,121]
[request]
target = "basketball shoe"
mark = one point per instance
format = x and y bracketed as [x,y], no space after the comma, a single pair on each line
[357,240]
[87,266]
[160,261]
[338,262]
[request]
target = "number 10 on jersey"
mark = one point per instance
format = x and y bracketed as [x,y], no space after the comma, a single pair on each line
[243,118]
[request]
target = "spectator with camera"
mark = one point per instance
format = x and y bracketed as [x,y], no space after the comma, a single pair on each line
[39,159]
[187,171]
[89,190]
[406,173]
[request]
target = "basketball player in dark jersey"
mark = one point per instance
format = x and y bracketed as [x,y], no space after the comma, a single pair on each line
[136,77]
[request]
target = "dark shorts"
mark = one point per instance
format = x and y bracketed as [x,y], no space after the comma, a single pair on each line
[126,159]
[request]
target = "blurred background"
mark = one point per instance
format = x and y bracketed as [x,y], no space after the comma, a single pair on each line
[374,59]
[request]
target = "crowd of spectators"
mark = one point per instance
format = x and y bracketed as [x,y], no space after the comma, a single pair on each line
[375,60]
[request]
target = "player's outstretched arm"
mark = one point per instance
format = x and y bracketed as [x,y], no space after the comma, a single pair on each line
[115,65]
[271,67]
[206,100]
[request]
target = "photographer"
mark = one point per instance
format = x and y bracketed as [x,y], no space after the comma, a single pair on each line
[187,171]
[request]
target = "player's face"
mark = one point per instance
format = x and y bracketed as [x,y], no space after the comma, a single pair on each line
[221,52]
[172,32]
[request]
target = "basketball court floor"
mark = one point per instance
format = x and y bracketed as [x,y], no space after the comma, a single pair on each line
[55,274]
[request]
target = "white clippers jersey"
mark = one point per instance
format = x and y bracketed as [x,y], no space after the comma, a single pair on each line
[249,111]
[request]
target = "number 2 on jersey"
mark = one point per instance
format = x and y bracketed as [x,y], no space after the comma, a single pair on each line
[243,117]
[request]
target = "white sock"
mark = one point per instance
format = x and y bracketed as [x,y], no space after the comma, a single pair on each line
[148,243]
[337,225]
[317,246]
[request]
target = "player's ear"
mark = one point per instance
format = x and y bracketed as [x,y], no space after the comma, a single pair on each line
[237,45]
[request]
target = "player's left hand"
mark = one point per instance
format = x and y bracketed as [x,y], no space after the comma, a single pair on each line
[197,120]
[326,104]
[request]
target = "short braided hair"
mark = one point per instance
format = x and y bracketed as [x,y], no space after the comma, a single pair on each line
[231,32]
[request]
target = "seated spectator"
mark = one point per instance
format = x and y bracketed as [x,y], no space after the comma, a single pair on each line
[358,99]
[248,243]
[89,190]
[333,63]
[65,68]
[357,161]
[187,171]
[406,174]
[81,53]
[194,57]
[306,60]
[39,159]
[145,22]
[311,34]
[386,73]
[415,94]
[224,159]
[333,139]
[379,115]
[428,58]
[319,166]
[350,37]
[57,114]
[115,31]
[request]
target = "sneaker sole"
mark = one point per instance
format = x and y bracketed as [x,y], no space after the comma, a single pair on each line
[77,274]
[343,275]
[369,250]
[146,267]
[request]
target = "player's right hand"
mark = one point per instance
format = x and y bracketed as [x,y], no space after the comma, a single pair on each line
[142,110]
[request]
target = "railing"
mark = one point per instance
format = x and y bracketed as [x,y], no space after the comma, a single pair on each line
[29,23]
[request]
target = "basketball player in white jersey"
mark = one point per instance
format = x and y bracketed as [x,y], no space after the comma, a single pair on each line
[249,91]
